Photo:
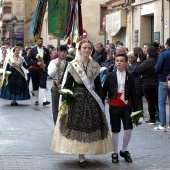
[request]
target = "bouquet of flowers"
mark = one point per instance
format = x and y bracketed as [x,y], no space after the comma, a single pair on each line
[137,117]
[7,74]
[40,59]
[68,96]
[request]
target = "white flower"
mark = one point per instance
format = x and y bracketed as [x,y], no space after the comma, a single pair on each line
[38,56]
[140,121]
[8,73]
[67,91]
[102,69]
[1,71]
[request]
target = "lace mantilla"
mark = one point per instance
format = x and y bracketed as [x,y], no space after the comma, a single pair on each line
[93,70]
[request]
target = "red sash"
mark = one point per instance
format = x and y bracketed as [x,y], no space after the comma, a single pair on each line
[118,101]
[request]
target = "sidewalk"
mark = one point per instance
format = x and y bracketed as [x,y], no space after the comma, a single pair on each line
[26,132]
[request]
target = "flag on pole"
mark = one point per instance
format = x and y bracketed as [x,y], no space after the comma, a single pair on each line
[57,17]
[37,21]
[64,18]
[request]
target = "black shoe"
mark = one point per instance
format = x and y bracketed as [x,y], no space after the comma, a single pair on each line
[36,103]
[83,164]
[126,156]
[46,103]
[16,104]
[12,104]
[115,158]
[151,122]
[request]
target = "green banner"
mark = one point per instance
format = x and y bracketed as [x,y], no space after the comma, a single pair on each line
[57,17]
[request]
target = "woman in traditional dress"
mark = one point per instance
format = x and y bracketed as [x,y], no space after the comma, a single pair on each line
[14,83]
[84,129]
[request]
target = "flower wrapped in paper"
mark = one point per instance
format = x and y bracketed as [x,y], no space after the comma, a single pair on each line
[68,96]
[137,117]
[40,59]
[7,74]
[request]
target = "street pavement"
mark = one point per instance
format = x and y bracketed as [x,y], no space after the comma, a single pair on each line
[26,132]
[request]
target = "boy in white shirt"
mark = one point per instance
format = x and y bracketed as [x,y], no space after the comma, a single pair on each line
[56,70]
[122,100]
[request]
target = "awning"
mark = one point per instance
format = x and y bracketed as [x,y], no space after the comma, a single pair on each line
[115,21]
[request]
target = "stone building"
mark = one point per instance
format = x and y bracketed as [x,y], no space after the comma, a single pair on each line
[139,22]
[93,12]
[12,18]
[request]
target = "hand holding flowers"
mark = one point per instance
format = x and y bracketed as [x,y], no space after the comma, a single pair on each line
[40,61]
[137,117]
[68,96]
[7,74]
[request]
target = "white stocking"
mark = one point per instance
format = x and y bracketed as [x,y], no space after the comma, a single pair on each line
[115,140]
[81,158]
[36,95]
[44,93]
[126,139]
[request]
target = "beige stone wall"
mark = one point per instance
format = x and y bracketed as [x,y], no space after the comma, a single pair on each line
[91,22]
[91,19]
[139,18]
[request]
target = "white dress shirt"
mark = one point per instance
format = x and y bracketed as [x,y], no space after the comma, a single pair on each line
[40,51]
[121,81]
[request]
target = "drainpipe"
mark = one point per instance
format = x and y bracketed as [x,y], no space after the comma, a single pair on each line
[162,23]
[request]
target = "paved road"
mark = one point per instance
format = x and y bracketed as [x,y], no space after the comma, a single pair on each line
[25,138]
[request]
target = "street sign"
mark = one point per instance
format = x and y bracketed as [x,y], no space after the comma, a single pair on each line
[166,23]
[84,35]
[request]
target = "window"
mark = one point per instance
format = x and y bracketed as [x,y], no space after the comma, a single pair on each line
[7,10]
[103,12]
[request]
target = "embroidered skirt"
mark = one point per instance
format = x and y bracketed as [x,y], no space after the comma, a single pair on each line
[84,129]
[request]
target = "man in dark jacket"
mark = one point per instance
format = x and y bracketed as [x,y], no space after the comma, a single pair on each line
[39,58]
[100,55]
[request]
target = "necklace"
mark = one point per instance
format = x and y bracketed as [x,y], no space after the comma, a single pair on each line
[16,59]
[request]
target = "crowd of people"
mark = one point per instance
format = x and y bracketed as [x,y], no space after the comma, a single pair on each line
[99,75]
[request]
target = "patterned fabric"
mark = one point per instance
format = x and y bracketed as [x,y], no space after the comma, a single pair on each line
[93,70]
[85,123]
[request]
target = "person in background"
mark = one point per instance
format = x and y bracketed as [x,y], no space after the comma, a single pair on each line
[29,74]
[39,70]
[22,51]
[8,48]
[138,53]
[120,87]
[70,56]
[73,46]
[56,71]
[15,85]
[3,57]
[162,67]
[100,55]
[150,81]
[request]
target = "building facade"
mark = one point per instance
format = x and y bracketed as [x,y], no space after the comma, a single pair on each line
[12,21]
[139,22]
[92,22]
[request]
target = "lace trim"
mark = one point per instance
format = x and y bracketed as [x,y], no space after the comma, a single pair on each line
[83,136]
[93,71]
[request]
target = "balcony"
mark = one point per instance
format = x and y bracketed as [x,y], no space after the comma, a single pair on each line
[115,3]
[6,17]
[6,3]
